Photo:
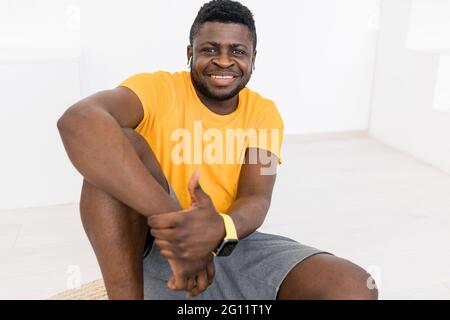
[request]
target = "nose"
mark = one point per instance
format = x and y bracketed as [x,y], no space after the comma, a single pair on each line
[223,61]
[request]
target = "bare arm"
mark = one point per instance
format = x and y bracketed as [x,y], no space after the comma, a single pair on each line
[253,198]
[91,131]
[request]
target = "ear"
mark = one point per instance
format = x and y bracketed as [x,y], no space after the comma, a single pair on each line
[189,52]
[254,59]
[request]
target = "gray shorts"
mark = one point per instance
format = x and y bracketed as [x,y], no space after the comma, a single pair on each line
[254,271]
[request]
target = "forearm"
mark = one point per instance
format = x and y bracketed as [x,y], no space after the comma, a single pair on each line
[100,151]
[248,214]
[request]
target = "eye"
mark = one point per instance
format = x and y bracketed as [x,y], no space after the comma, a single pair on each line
[238,52]
[210,50]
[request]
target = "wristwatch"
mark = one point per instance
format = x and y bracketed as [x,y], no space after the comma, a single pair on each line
[230,241]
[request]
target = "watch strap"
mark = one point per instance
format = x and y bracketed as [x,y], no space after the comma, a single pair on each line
[230,232]
[230,229]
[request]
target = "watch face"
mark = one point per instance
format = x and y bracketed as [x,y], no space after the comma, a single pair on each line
[227,247]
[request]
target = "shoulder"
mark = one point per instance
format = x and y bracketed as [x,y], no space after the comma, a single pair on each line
[260,105]
[158,85]
[157,77]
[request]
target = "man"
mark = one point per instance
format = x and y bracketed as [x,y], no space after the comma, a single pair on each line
[193,157]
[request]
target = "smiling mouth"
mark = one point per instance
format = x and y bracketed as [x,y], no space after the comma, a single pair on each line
[222,80]
[221,77]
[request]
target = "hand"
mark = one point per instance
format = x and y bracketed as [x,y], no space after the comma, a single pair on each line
[192,276]
[189,234]
[187,238]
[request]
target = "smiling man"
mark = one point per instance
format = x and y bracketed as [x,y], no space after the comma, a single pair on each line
[178,172]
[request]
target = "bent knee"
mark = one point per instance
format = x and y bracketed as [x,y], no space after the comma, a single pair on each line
[355,283]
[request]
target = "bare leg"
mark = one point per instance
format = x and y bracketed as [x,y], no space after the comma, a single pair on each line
[327,277]
[117,233]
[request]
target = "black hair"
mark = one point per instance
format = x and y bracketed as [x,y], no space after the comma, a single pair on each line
[225,11]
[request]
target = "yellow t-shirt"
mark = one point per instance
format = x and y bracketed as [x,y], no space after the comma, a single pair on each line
[185,135]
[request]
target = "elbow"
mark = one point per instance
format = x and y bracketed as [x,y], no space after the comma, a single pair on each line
[61,124]
[263,209]
[65,124]
[68,122]
[266,203]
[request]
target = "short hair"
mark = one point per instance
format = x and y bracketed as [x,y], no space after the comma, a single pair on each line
[225,11]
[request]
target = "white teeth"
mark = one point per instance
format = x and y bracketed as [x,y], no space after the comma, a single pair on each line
[221,77]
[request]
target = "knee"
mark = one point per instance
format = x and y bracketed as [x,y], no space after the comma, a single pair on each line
[357,289]
[354,284]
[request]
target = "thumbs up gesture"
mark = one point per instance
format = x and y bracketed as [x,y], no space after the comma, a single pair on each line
[198,196]
[192,233]
[187,238]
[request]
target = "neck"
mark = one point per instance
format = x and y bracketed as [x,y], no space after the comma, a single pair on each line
[220,107]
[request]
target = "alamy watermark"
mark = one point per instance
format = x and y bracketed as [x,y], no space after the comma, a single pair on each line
[73,20]
[374,280]
[74,279]
[213,146]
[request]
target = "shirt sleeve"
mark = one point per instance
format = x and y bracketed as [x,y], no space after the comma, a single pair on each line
[269,130]
[152,90]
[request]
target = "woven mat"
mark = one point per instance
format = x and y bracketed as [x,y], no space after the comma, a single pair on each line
[94,290]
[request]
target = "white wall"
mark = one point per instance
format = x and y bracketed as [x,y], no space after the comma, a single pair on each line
[34,169]
[402,111]
[315,60]
[429,25]
[315,57]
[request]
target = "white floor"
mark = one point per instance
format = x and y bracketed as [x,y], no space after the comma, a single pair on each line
[347,194]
